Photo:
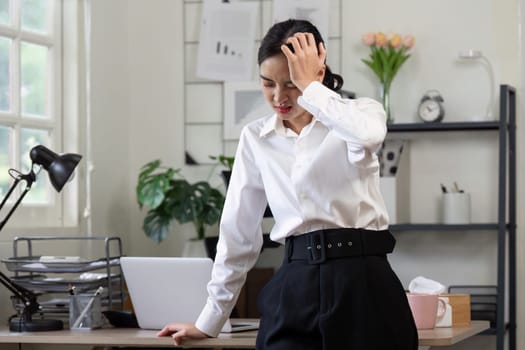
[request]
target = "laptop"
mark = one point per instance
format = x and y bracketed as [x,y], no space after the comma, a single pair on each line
[165,290]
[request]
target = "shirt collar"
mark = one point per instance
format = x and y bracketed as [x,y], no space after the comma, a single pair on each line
[276,125]
[271,124]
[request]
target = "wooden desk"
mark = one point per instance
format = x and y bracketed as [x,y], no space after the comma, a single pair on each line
[242,340]
[126,337]
[450,336]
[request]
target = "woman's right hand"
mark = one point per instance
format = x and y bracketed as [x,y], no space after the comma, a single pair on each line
[307,62]
[180,331]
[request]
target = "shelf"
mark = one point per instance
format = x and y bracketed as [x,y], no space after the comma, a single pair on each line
[438,126]
[505,226]
[34,264]
[42,283]
[443,227]
[492,330]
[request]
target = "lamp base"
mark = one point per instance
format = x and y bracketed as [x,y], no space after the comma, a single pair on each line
[20,325]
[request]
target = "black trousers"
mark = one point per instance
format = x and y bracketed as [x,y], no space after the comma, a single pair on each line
[342,303]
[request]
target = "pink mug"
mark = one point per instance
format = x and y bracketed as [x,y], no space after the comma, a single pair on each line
[425,309]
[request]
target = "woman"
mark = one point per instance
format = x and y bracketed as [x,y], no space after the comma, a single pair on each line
[314,162]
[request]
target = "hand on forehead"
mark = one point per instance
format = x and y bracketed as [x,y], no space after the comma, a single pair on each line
[303,43]
[305,59]
[302,40]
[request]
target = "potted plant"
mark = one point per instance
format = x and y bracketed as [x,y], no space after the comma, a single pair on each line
[169,196]
[227,162]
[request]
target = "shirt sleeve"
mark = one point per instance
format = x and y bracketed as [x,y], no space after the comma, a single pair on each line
[240,239]
[360,122]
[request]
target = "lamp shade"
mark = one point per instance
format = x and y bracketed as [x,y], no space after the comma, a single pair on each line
[59,167]
[471,54]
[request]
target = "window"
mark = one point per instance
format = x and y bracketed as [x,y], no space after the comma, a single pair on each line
[31,101]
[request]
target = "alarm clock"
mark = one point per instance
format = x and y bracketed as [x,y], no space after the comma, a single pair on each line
[431,107]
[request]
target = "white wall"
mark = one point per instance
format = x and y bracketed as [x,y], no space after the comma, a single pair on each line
[137,71]
[110,110]
[156,103]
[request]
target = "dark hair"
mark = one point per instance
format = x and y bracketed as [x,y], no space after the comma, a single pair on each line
[277,35]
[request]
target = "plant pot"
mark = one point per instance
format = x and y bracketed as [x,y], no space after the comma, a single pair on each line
[194,248]
[226,175]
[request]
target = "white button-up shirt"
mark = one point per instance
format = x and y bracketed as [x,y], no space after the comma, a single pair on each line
[325,177]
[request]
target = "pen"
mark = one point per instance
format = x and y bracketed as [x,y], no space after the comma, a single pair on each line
[78,321]
[443,188]
[456,188]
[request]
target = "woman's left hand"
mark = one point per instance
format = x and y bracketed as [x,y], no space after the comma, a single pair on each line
[181,331]
[306,63]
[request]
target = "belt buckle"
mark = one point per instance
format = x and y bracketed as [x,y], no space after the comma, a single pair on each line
[316,247]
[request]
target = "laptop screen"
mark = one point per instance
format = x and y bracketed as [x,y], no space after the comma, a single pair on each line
[164,290]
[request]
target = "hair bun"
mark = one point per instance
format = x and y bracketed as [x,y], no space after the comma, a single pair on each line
[332,81]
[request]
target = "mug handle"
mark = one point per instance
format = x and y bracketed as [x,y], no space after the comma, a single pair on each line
[442,308]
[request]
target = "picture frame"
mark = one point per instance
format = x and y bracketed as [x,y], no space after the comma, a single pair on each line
[243,103]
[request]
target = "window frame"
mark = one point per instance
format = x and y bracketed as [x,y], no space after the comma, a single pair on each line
[61,211]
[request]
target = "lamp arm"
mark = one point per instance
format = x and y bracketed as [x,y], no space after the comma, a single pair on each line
[492,86]
[28,297]
[11,189]
[25,295]
[29,178]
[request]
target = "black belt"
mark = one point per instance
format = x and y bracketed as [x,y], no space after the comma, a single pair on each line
[317,246]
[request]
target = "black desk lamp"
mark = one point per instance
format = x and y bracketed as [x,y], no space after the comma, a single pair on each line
[60,168]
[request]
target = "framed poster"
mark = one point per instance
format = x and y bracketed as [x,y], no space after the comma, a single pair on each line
[227,40]
[243,103]
[315,11]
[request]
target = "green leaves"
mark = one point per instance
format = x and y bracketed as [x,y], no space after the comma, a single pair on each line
[224,160]
[156,226]
[385,62]
[171,197]
[152,185]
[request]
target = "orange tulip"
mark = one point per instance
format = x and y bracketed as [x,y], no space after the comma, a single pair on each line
[381,39]
[396,41]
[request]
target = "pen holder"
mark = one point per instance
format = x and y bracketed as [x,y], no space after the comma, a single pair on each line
[456,208]
[85,311]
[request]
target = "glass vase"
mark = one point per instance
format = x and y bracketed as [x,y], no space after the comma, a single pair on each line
[385,100]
